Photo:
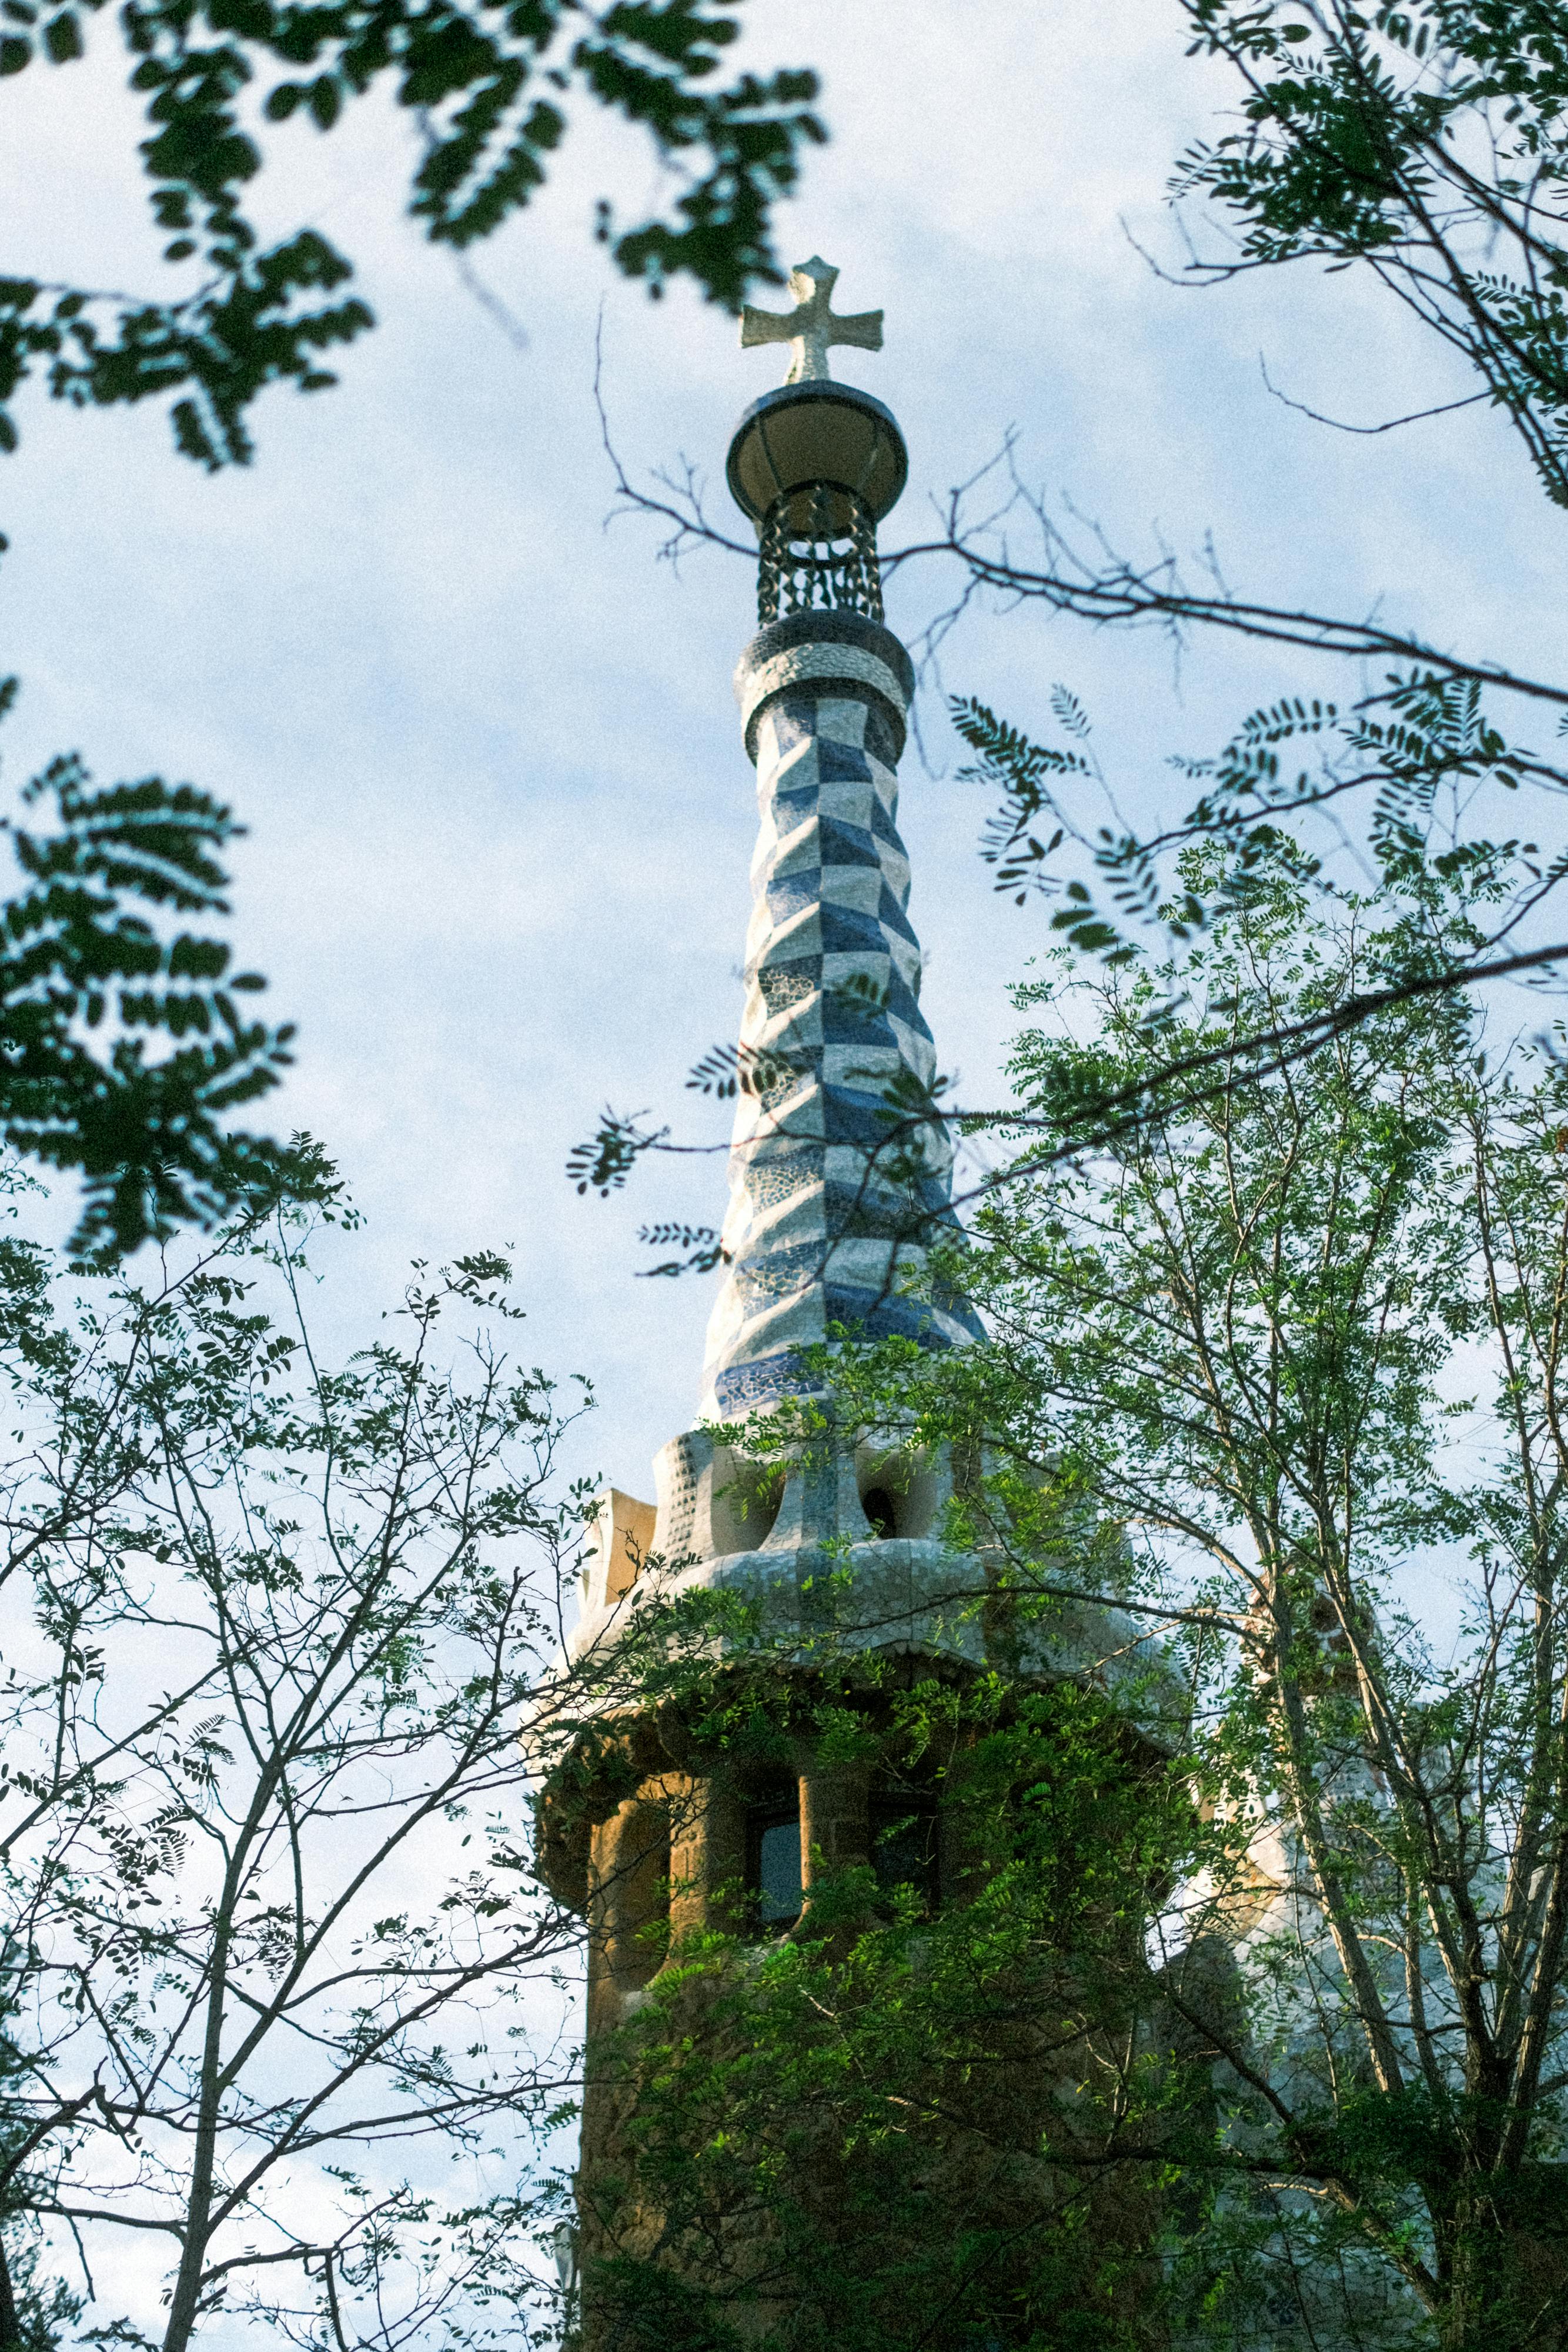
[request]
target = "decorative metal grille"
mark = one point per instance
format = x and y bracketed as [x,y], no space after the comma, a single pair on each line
[819,549]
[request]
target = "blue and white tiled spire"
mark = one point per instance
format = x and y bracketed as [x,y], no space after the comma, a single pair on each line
[836,1179]
[840,1174]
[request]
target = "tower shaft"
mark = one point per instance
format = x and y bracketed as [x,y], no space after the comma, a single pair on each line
[839,1173]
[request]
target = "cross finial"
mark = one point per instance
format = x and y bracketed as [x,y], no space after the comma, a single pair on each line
[811,326]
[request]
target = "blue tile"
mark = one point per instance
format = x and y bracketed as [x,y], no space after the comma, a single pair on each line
[844,843]
[902,1193]
[847,932]
[842,764]
[793,892]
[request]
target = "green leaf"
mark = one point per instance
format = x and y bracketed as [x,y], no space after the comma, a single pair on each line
[62,39]
[325,100]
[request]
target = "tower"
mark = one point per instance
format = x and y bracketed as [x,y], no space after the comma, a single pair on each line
[840,1176]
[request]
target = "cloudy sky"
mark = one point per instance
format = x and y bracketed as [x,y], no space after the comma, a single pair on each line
[500,816]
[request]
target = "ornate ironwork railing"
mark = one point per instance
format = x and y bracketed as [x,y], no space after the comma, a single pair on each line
[818,549]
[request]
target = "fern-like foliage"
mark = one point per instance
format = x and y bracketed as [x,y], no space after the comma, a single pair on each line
[604,1161]
[699,1248]
[125,1043]
[1427,142]
[766,1071]
[1023,772]
[1409,760]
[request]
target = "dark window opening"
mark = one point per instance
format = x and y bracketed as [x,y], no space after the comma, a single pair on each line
[773,1866]
[746,1499]
[900,1492]
[904,1846]
[877,1505]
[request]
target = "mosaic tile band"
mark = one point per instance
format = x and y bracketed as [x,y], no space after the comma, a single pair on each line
[833,1192]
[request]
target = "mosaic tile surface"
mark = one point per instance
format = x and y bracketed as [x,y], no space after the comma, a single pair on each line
[833,1191]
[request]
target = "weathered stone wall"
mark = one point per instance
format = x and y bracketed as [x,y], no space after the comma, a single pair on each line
[666,1865]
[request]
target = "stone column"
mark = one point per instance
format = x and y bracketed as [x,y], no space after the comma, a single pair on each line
[708,1854]
[835,1819]
[629,1862]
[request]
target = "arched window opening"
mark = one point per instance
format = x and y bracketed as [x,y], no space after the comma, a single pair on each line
[773,1865]
[905,1848]
[878,1505]
[898,1492]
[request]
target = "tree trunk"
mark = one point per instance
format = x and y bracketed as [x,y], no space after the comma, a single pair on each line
[10,2325]
[1510,2270]
[184,2301]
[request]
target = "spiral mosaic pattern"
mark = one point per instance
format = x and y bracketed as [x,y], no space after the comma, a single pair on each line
[836,1179]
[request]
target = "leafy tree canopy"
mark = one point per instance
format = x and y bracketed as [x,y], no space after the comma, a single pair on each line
[1427,142]
[489,85]
[277,1988]
[1293,1339]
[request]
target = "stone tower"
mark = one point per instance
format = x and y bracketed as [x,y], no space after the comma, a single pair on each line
[838,1177]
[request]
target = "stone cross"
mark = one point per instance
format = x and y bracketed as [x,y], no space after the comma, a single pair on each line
[811,326]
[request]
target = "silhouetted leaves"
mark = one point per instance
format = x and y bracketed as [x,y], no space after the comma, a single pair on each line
[487,88]
[699,1246]
[89,981]
[1425,140]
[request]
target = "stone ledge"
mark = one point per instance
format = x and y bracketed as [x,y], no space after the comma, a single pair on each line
[824,648]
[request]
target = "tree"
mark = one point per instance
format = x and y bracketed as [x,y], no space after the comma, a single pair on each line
[890,2126]
[486,88]
[278,1981]
[1300,1344]
[1426,145]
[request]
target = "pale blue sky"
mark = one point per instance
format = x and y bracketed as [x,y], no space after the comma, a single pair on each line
[501,819]
[501,815]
